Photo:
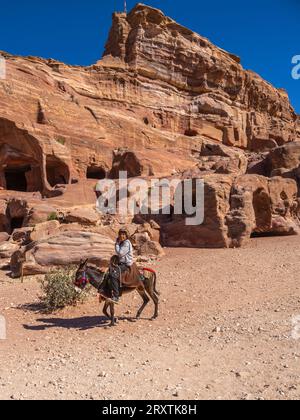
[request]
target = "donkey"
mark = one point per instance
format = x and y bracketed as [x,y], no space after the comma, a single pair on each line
[146,288]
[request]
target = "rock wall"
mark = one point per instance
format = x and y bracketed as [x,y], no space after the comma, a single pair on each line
[163,101]
[200,88]
[237,208]
[158,90]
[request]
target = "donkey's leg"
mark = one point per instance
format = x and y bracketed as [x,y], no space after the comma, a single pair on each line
[156,303]
[154,297]
[146,300]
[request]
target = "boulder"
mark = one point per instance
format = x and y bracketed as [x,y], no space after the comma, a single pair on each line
[22,235]
[152,230]
[42,212]
[4,237]
[151,248]
[285,158]
[85,216]
[44,230]
[67,248]
[7,249]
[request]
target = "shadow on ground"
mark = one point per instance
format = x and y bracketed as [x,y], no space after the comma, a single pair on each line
[33,307]
[80,324]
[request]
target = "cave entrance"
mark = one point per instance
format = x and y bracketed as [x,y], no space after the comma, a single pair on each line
[94,172]
[16,223]
[19,171]
[127,162]
[16,178]
[263,235]
[191,133]
[57,171]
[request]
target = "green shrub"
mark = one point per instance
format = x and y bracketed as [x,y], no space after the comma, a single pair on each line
[61,140]
[59,290]
[52,216]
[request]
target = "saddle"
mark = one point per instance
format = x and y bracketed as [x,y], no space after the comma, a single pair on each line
[131,278]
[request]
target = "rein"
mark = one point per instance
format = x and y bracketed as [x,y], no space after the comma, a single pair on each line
[88,278]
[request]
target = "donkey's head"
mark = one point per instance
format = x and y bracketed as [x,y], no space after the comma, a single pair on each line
[81,277]
[88,275]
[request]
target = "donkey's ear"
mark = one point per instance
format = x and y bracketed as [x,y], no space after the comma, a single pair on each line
[83,263]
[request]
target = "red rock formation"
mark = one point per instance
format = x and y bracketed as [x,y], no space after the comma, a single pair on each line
[162,101]
[200,88]
[157,90]
[236,208]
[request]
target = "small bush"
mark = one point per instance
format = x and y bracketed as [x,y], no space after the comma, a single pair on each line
[52,216]
[59,290]
[61,140]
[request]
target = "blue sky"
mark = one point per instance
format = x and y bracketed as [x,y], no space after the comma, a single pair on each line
[264,33]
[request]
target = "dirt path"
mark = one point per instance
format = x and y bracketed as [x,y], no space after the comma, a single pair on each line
[225,331]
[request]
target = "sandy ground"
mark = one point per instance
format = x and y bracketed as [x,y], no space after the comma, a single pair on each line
[225,332]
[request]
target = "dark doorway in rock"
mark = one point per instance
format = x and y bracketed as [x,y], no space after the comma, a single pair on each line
[95,172]
[57,171]
[263,234]
[191,133]
[16,178]
[16,223]
[127,162]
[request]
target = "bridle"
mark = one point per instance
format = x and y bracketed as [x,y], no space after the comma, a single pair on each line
[87,279]
[83,281]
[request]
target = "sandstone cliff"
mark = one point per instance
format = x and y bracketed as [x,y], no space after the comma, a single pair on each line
[160,88]
[162,101]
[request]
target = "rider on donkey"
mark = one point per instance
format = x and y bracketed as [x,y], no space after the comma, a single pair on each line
[124,262]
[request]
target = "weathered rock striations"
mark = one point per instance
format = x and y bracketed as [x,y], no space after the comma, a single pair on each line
[157,91]
[163,101]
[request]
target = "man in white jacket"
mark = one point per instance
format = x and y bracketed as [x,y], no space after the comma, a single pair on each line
[124,248]
[124,251]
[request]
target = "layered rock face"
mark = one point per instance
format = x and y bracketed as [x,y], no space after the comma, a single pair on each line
[159,87]
[200,88]
[162,102]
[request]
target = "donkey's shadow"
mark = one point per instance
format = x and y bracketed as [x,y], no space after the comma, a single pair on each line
[80,324]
